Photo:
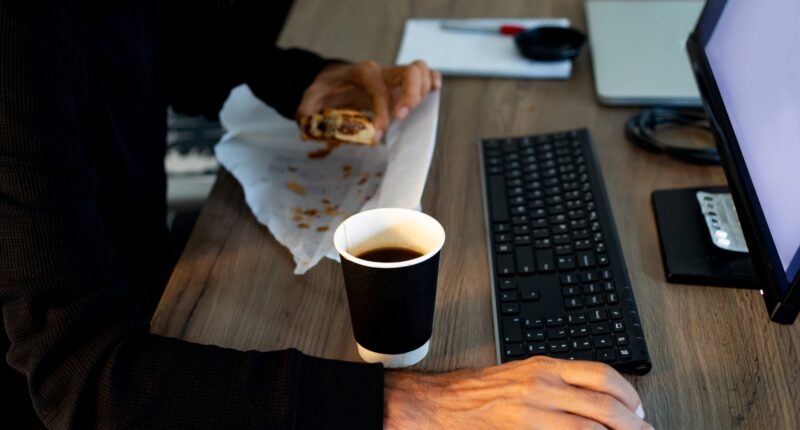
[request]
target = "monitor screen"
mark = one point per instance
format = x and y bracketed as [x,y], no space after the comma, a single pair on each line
[754,54]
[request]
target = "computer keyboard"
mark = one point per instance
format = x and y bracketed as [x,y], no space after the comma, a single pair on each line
[560,286]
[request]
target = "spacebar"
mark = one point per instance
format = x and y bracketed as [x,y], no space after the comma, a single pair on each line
[498,199]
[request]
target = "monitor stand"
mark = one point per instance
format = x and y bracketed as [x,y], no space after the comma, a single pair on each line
[687,249]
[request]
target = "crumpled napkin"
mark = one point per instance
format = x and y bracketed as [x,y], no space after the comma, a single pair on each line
[302,200]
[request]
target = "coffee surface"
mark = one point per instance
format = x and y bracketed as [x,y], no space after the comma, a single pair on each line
[390,255]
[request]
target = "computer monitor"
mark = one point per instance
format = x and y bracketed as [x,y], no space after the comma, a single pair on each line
[746,59]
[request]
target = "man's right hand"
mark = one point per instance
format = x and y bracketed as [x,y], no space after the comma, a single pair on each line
[537,393]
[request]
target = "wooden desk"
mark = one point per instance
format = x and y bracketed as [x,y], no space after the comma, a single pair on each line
[718,362]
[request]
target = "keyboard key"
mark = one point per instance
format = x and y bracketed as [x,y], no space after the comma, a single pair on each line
[544,261]
[582,244]
[498,199]
[603,260]
[514,350]
[501,227]
[533,322]
[539,223]
[556,333]
[522,240]
[507,284]
[586,260]
[561,239]
[556,347]
[508,296]
[541,233]
[505,264]
[615,314]
[503,248]
[618,326]
[592,288]
[522,229]
[525,260]
[565,262]
[587,277]
[624,354]
[529,293]
[500,238]
[612,298]
[594,300]
[606,274]
[600,248]
[597,315]
[609,286]
[570,291]
[600,329]
[573,302]
[520,219]
[510,308]
[543,243]
[579,331]
[536,348]
[606,356]
[512,330]
[569,279]
[621,339]
[581,345]
[554,321]
[576,318]
[534,335]
[601,342]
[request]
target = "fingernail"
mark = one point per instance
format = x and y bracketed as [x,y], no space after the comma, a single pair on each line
[379,136]
[402,112]
[640,411]
[438,83]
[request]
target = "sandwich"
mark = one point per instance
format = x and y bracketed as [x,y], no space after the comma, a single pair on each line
[339,126]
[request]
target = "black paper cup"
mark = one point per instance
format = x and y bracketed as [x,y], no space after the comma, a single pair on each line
[391,304]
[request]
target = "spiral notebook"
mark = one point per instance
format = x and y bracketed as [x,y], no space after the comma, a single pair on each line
[459,53]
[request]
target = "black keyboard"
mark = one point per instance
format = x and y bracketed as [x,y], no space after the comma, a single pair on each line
[560,284]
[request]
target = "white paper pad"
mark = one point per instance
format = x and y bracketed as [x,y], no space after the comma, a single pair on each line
[460,53]
[286,190]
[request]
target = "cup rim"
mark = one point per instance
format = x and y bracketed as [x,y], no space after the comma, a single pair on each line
[394,265]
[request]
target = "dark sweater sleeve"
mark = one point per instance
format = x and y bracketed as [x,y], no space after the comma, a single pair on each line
[215,45]
[88,357]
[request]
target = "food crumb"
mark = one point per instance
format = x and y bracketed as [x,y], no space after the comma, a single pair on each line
[311,212]
[362,181]
[296,188]
[326,201]
[347,170]
[379,174]
[322,228]
[297,218]
[303,225]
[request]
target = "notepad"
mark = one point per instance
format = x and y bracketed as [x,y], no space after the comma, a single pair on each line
[459,53]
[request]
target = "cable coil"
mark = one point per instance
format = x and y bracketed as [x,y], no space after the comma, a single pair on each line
[641,130]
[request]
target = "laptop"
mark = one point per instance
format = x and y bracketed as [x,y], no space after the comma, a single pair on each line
[639,51]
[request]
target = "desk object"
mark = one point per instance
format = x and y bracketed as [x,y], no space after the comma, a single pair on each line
[688,254]
[457,53]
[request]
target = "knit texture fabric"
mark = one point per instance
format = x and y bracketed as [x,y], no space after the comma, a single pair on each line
[84,248]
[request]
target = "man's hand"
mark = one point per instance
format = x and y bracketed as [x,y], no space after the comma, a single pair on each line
[390,92]
[538,393]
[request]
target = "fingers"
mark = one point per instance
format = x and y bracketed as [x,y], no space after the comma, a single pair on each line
[417,82]
[601,378]
[313,101]
[436,80]
[371,76]
[600,407]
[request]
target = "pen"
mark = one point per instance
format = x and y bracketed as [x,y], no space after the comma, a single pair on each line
[482,27]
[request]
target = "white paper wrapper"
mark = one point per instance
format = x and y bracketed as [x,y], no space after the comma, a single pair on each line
[303,200]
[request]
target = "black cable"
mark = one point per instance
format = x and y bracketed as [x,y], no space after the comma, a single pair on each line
[641,130]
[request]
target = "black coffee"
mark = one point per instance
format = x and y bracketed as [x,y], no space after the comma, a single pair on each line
[390,255]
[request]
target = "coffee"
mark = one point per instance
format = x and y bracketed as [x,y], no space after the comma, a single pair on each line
[390,255]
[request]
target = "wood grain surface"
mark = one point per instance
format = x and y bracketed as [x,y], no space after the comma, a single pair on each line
[718,361]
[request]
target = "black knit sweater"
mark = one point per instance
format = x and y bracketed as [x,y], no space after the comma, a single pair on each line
[84,251]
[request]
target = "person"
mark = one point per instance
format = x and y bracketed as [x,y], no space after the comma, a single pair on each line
[84,87]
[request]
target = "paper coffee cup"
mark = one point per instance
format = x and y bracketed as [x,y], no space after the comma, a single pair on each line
[391,303]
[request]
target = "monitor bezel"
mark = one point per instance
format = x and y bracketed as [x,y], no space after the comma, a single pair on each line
[782,308]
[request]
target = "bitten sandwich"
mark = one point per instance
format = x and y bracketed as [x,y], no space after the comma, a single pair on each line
[339,125]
